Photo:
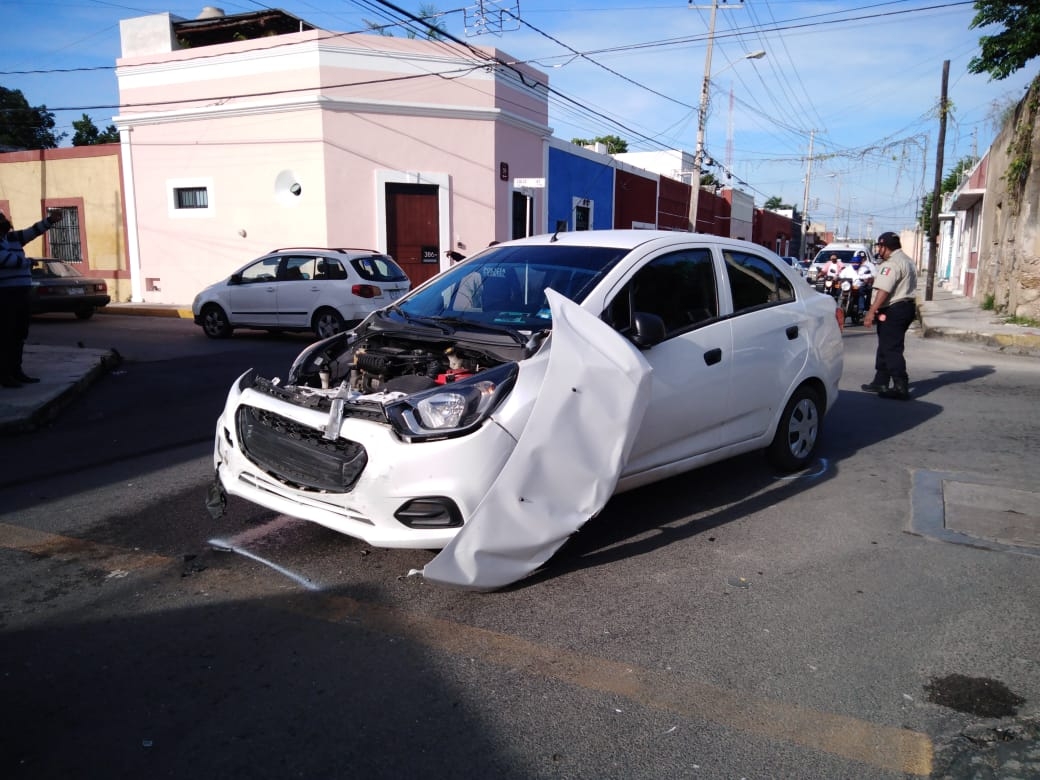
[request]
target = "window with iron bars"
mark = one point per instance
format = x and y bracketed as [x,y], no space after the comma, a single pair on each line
[191,197]
[63,238]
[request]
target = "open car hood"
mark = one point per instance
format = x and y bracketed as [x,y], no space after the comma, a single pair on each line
[567,461]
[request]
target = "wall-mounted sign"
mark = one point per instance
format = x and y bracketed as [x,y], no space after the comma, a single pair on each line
[503,171]
[534,184]
[430,254]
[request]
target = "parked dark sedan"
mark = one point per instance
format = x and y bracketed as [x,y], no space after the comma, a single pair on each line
[58,286]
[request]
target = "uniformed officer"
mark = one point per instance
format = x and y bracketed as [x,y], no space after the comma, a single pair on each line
[894,306]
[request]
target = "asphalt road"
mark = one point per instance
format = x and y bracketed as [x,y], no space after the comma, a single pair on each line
[730,623]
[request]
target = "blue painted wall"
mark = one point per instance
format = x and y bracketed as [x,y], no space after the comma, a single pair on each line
[574,176]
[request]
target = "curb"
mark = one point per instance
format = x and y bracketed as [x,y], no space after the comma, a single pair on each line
[147,311]
[1011,343]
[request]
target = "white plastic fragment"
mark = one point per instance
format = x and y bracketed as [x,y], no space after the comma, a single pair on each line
[566,462]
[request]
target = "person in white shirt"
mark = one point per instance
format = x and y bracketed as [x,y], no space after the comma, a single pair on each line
[866,272]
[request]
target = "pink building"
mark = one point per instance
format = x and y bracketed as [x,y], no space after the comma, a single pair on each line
[302,137]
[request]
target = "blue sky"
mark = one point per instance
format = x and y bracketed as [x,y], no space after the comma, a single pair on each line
[863,78]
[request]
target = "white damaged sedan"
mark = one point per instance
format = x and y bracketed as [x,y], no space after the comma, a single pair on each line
[496,408]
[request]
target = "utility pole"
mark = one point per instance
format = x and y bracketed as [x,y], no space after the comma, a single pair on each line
[933,220]
[702,111]
[702,119]
[805,200]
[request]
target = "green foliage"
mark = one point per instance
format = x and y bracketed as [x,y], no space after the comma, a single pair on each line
[435,29]
[23,126]
[950,182]
[989,303]
[924,216]
[614,144]
[1020,150]
[1010,49]
[953,179]
[87,133]
[775,203]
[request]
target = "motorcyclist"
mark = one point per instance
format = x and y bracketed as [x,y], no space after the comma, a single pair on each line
[832,268]
[851,272]
[866,272]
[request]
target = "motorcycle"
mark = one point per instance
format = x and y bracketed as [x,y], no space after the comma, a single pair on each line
[848,299]
[827,284]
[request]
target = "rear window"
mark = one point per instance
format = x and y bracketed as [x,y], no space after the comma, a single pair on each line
[378,268]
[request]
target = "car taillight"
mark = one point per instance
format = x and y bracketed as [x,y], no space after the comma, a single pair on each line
[101,287]
[44,290]
[366,291]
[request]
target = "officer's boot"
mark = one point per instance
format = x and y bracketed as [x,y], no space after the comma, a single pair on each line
[877,384]
[900,390]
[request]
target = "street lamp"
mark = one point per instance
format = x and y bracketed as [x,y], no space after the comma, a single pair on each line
[702,119]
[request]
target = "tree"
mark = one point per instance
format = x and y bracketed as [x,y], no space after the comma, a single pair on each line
[23,126]
[776,203]
[614,144]
[87,133]
[435,30]
[950,182]
[1009,50]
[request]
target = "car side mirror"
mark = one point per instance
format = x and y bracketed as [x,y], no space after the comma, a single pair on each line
[647,330]
[235,279]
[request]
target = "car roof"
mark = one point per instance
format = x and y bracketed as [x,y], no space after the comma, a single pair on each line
[332,250]
[630,239]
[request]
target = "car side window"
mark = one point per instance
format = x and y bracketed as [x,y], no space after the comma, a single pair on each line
[298,268]
[755,282]
[263,270]
[680,288]
[326,268]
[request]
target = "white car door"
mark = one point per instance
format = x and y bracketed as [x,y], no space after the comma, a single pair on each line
[254,299]
[691,369]
[298,291]
[770,344]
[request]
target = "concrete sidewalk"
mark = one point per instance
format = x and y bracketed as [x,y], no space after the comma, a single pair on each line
[955,317]
[67,371]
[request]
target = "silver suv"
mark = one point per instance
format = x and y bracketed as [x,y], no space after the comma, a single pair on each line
[301,288]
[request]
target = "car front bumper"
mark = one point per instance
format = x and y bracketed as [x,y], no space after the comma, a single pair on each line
[362,483]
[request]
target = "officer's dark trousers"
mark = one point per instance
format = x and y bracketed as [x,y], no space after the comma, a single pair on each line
[14,328]
[889,362]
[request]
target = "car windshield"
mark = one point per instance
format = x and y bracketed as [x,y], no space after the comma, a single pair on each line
[378,268]
[506,285]
[844,255]
[53,268]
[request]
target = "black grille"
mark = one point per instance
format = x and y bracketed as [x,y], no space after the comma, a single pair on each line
[298,454]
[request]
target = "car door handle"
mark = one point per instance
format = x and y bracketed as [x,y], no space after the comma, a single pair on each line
[712,356]
[792,332]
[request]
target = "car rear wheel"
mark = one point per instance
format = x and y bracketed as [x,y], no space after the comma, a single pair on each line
[327,322]
[798,431]
[85,314]
[215,323]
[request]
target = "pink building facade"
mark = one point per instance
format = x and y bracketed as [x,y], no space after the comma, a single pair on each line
[316,139]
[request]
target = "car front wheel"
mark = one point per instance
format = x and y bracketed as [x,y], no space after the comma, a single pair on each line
[215,323]
[798,431]
[327,322]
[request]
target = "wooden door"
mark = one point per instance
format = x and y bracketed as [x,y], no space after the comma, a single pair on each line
[413,235]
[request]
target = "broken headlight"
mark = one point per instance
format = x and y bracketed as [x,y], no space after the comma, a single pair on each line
[454,409]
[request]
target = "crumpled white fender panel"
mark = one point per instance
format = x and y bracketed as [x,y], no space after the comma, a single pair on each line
[567,461]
